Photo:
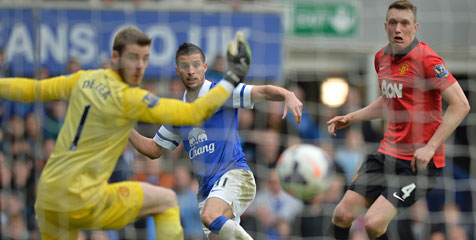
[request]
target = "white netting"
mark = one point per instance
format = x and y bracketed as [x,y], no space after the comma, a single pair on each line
[40,37]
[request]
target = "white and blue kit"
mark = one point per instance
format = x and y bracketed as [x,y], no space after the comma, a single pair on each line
[214,147]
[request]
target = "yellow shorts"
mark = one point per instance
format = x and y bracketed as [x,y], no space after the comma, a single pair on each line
[121,205]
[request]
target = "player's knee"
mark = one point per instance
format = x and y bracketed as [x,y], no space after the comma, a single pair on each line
[170,197]
[342,218]
[374,227]
[159,198]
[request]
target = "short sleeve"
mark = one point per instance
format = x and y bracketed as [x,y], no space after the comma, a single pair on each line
[242,96]
[437,74]
[167,137]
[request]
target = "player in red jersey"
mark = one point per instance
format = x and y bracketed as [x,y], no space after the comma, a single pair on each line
[413,80]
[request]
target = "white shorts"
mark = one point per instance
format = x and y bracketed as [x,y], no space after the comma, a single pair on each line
[236,187]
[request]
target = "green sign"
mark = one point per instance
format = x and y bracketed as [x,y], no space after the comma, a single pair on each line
[331,19]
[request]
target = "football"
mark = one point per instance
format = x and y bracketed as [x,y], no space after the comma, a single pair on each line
[304,170]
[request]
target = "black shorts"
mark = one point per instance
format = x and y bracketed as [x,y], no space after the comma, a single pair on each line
[393,178]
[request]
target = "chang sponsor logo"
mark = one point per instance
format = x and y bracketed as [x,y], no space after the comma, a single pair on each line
[196,137]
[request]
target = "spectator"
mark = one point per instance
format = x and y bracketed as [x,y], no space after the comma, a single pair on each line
[99,235]
[16,228]
[32,128]
[350,154]
[13,224]
[16,133]
[315,217]
[73,65]
[4,69]
[269,149]
[274,207]
[21,173]
[413,224]
[5,173]
[106,63]
[215,73]
[187,201]
[1,140]
[33,135]
[123,170]
[48,146]
[152,173]
[53,119]
[308,129]
[451,226]
[43,73]
[247,134]
[274,115]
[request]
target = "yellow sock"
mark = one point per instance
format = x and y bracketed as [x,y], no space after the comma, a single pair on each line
[167,225]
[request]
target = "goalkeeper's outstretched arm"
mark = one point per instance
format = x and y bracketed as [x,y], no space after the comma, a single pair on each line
[29,90]
[178,113]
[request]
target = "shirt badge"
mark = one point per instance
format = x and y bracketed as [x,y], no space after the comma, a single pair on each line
[150,100]
[403,68]
[440,71]
[124,191]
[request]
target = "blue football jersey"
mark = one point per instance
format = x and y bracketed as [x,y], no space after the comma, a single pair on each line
[214,147]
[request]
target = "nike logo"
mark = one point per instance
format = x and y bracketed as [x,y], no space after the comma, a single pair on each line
[216,190]
[398,197]
[381,67]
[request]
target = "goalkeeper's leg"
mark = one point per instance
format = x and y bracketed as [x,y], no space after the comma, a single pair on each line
[161,203]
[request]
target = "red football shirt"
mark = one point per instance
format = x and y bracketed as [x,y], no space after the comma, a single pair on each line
[411,83]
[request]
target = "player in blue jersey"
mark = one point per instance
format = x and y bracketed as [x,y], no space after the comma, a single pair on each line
[227,185]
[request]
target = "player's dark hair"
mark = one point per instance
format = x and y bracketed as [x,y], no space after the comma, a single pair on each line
[130,35]
[402,5]
[188,49]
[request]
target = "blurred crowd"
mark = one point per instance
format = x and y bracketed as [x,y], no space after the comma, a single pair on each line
[28,133]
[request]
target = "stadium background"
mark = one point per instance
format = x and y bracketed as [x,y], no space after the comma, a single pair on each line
[295,44]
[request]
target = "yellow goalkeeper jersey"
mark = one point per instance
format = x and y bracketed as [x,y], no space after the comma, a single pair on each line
[102,111]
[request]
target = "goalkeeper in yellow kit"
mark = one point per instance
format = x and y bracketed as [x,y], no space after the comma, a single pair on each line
[104,105]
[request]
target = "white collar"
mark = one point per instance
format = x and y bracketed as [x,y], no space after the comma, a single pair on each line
[203,90]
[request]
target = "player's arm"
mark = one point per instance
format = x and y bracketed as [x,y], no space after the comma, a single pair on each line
[174,112]
[274,93]
[372,111]
[29,90]
[168,111]
[146,146]
[458,108]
